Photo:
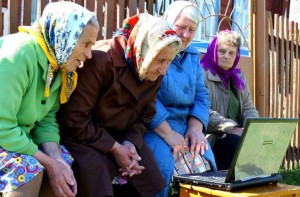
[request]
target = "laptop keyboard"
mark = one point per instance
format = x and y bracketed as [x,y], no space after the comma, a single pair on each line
[210,176]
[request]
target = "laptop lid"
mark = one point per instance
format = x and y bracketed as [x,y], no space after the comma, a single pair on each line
[257,160]
[262,148]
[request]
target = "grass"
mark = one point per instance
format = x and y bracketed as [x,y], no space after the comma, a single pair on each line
[174,192]
[290,177]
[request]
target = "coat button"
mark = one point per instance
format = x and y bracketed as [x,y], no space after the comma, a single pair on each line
[43,102]
[186,90]
[178,69]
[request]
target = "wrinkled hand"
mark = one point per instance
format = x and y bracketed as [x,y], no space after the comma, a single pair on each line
[134,167]
[237,131]
[197,140]
[127,158]
[61,178]
[176,142]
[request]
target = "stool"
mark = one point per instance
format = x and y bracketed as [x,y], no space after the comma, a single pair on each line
[269,190]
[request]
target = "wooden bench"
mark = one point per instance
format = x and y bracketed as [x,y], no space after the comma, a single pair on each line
[272,190]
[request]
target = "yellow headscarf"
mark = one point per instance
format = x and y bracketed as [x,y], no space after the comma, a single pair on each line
[57,32]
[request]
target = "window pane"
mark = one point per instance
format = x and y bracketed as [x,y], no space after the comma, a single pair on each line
[207,27]
[241,21]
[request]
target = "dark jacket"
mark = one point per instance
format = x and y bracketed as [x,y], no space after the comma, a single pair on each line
[108,105]
[219,97]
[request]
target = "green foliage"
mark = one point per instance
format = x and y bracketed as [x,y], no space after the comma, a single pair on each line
[291,176]
[174,192]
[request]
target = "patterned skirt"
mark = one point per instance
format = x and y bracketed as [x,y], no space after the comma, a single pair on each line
[18,169]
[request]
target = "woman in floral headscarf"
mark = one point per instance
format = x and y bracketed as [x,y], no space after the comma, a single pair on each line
[105,119]
[231,103]
[37,72]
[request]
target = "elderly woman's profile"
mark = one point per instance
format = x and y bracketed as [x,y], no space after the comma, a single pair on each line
[38,73]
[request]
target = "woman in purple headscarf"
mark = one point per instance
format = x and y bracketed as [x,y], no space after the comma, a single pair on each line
[231,103]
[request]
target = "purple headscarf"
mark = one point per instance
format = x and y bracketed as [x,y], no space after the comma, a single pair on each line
[210,61]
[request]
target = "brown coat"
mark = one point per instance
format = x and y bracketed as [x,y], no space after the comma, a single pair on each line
[107,106]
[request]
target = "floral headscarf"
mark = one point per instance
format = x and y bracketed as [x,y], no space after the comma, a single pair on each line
[147,36]
[57,32]
[210,61]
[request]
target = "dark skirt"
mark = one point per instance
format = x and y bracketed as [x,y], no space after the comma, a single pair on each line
[95,171]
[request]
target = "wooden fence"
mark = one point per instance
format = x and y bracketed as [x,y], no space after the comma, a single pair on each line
[110,13]
[283,76]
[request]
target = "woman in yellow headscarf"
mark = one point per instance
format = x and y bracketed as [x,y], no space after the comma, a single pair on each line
[38,72]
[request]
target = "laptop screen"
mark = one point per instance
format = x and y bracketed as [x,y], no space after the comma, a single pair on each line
[262,147]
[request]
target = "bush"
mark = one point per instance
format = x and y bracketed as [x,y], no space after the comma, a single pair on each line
[291,176]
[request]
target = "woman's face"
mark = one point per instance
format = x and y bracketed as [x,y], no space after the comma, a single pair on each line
[226,55]
[161,63]
[82,50]
[185,29]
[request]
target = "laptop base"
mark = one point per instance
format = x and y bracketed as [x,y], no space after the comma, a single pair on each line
[230,186]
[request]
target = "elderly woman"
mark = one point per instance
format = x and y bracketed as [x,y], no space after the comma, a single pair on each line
[182,103]
[231,103]
[37,71]
[105,119]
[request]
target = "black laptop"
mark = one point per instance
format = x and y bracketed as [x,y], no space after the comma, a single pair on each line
[257,160]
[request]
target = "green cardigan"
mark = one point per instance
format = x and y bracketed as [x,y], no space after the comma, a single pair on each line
[27,117]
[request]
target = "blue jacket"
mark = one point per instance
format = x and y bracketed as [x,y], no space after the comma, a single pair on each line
[183,92]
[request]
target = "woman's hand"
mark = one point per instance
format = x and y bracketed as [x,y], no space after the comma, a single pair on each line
[69,175]
[175,141]
[237,131]
[59,173]
[134,167]
[196,140]
[172,138]
[61,178]
[127,158]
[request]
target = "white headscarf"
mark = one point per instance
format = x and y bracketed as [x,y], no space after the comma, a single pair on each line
[174,9]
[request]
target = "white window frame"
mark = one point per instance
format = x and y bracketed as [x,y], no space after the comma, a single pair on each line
[241,17]
[210,24]
[5,21]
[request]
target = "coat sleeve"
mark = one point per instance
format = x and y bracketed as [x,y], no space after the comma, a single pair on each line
[248,109]
[161,114]
[200,108]
[75,117]
[15,77]
[218,124]
[47,129]
[135,132]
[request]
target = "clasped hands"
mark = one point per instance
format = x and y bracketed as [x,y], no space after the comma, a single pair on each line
[127,158]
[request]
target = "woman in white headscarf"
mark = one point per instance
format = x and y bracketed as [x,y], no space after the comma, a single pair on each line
[38,73]
[104,121]
[182,103]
